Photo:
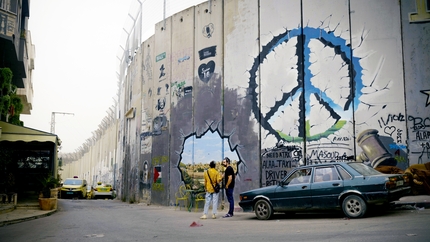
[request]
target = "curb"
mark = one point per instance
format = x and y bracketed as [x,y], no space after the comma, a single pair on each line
[19,220]
[6,209]
[417,205]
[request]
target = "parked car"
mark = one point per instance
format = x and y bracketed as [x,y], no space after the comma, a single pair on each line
[103,190]
[90,192]
[74,187]
[349,186]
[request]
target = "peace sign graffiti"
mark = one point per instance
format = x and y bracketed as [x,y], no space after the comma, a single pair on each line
[308,89]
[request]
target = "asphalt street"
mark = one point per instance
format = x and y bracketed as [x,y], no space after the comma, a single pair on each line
[113,220]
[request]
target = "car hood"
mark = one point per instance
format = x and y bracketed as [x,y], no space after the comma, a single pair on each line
[261,191]
[71,186]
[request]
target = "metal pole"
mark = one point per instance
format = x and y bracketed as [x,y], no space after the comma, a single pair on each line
[53,120]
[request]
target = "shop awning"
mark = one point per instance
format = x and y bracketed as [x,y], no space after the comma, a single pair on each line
[12,133]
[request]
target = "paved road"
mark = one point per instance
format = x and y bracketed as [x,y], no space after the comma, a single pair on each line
[113,220]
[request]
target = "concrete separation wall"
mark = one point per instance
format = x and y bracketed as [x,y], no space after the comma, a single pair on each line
[272,85]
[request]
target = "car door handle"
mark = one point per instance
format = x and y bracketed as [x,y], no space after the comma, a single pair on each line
[336,184]
[303,187]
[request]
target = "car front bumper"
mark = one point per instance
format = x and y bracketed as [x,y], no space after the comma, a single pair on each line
[70,193]
[247,205]
[103,193]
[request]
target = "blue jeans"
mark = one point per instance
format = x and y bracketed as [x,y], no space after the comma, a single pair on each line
[230,199]
[211,197]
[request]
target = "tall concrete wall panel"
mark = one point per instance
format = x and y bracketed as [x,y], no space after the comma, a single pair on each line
[416,46]
[208,60]
[329,82]
[147,110]
[161,88]
[182,127]
[276,83]
[379,78]
[133,120]
[241,128]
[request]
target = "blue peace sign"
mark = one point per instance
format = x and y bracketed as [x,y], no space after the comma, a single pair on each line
[304,36]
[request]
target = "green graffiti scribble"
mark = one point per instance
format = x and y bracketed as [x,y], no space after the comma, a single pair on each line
[178,84]
[336,127]
[158,187]
[400,159]
[160,160]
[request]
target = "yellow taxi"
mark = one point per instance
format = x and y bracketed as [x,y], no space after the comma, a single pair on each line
[103,190]
[74,187]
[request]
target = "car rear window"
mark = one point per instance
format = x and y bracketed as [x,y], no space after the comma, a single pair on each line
[364,170]
[344,174]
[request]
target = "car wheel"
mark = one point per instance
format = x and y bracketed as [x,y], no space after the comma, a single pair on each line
[354,206]
[263,210]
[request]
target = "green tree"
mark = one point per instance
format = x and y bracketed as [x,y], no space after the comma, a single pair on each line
[10,104]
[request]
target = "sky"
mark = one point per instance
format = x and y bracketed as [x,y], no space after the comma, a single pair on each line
[76,46]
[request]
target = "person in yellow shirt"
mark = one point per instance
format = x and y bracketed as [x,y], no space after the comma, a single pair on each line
[212,177]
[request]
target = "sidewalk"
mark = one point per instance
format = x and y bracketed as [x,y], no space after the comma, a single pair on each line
[26,211]
[419,201]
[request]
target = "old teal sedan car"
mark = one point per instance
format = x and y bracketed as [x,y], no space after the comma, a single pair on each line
[349,186]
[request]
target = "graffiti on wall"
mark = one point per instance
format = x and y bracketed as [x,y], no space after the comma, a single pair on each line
[334,105]
[278,161]
[426,92]
[420,136]
[326,153]
[208,30]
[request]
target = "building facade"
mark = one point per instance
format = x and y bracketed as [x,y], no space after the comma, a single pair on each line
[17,52]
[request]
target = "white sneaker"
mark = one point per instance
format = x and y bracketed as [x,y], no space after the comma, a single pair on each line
[213,216]
[203,217]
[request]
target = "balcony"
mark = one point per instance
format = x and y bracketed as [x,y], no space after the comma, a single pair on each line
[12,46]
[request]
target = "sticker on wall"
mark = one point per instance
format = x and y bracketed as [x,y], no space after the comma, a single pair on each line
[206,71]
[207,52]
[157,174]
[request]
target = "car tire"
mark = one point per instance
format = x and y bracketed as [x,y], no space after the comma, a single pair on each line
[263,209]
[354,206]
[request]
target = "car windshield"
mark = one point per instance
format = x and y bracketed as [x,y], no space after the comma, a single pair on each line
[364,170]
[72,182]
